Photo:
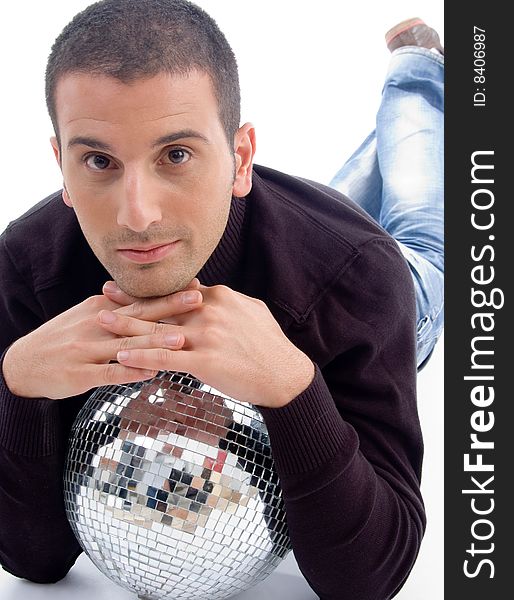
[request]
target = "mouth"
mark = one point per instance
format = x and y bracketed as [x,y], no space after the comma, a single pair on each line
[148,254]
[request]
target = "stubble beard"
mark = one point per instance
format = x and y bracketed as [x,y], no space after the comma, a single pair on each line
[169,275]
[154,280]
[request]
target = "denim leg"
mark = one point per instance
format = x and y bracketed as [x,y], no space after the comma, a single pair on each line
[359,178]
[397,176]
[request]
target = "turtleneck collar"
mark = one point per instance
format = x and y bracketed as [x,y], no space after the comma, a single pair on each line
[224,265]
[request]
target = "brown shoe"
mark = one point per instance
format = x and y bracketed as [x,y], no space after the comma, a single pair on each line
[413,32]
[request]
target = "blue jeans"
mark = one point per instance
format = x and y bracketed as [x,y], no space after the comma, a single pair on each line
[397,176]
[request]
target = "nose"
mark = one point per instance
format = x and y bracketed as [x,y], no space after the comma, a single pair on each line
[139,205]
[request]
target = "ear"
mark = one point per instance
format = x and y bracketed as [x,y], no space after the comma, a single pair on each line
[57,153]
[66,197]
[56,149]
[244,151]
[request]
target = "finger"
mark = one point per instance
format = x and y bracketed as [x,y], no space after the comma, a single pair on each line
[160,359]
[155,309]
[194,284]
[109,349]
[117,374]
[126,326]
[113,292]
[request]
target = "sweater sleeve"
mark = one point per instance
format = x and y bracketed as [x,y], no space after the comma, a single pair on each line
[36,541]
[348,450]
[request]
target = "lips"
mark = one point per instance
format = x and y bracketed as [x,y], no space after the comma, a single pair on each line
[149,254]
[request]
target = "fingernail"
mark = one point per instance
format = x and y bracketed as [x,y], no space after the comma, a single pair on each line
[106,316]
[111,287]
[172,339]
[191,297]
[122,355]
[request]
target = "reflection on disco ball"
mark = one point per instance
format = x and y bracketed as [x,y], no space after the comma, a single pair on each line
[170,489]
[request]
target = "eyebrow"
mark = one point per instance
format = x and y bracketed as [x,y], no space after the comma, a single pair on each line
[80,140]
[180,135]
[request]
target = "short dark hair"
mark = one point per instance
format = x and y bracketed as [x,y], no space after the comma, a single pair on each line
[134,39]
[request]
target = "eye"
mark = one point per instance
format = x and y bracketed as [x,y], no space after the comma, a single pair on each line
[177,156]
[98,162]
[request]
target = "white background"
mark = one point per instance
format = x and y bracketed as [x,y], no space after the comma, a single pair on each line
[311,76]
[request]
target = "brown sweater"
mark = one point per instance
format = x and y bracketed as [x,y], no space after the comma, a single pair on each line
[348,450]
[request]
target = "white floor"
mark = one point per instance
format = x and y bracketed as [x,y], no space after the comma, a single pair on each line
[85,582]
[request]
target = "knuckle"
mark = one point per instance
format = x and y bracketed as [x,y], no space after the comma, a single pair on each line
[137,308]
[261,304]
[126,325]
[74,346]
[158,328]
[210,313]
[163,356]
[110,372]
[220,290]
[210,333]
[124,343]
[95,302]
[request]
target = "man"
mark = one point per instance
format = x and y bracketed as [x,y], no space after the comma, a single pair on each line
[274,290]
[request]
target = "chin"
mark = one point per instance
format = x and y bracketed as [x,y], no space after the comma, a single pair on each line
[149,285]
[147,291]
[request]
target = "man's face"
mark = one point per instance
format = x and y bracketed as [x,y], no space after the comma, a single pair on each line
[149,173]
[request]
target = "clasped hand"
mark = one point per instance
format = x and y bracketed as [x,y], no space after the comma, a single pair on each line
[226,339]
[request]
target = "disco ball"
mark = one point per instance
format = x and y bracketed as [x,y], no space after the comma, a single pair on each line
[170,490]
